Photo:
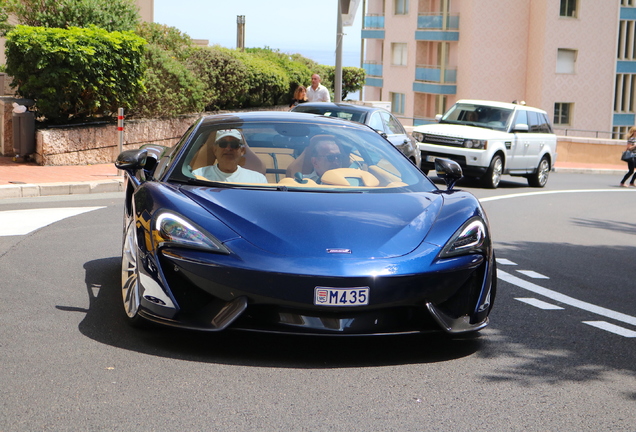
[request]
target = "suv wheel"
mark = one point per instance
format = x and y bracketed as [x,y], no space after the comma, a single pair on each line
[540,178]
[493,175]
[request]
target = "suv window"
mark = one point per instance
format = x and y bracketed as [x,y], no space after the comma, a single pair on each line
[521,118]
[538,123]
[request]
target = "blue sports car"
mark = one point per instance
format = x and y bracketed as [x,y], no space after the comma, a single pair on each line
[299,223]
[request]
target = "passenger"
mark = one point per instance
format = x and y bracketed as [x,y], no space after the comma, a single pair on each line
[471,116]
[326,155]
[228,148]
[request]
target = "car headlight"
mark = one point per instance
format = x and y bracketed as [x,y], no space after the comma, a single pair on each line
[172,230]
[418,136]
[468,239]
[476,144]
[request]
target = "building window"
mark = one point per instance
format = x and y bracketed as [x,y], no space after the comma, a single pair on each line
[562,113]
[397,103]
[398,54]
[401,7]
[568,8]
[566,59]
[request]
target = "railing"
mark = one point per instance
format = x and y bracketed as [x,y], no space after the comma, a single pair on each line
[373,21]
[373,68]
[583,133]
[433,73]
[435,21]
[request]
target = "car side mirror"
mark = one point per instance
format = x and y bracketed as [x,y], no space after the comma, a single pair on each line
[520,127]
[382,133]
[132,159]
[449,171]
[438,117]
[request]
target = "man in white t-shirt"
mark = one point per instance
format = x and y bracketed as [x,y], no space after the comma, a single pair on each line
[316,91]
[228,148]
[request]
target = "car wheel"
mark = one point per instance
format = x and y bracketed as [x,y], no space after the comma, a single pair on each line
[130,290]
[493,175]
[540,178]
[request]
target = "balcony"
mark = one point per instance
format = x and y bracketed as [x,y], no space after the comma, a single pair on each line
[437,28]
[428,79]
[373,68]
[373,27]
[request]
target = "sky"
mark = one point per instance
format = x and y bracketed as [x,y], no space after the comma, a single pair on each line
[307,27]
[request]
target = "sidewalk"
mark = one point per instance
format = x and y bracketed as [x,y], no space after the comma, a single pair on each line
[30,180]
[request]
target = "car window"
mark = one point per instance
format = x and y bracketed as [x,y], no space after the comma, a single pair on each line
[478,115]
[376,122]
[303,156]
[521,117]
[392,124]
[535,122]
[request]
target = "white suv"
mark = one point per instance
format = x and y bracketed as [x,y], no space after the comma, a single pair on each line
[489,139]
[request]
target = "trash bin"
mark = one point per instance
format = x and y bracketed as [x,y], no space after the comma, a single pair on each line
[23,133]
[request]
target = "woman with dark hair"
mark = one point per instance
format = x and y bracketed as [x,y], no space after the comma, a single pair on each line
[631,146]
[300,96]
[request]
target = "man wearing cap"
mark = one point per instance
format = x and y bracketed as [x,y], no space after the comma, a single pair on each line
[317,92]
[228,148]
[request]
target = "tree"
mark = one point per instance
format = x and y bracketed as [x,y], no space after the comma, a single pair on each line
[111,15]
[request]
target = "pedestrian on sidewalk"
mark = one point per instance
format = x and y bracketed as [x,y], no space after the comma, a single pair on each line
[316,91]
[631,146]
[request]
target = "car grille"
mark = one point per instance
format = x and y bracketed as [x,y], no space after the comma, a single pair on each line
[443,140]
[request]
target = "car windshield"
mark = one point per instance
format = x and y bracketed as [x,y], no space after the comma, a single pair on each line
[343,113]
[478,115]
[307,156]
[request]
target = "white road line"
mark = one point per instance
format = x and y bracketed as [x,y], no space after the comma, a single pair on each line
[527,194]
[570,301]
[612,328]
[504,261]
[533,274]
[539,303]
[22,222]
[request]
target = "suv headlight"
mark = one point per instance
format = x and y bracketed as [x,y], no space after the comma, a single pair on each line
[476,144]
[418,136]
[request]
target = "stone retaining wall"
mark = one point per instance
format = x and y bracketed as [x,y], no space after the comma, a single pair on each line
[80,145]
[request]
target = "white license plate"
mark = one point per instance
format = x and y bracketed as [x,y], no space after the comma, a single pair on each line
[431,158]
[325,296]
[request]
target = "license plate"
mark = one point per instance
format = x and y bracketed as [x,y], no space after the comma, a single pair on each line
[325,296]
[431,158]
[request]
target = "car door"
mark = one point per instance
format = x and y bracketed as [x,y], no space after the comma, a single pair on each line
[517,153]
[536,139]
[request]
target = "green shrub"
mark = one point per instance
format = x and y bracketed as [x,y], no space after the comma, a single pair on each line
[224,76]
[171,88]
[167,38]
[266,80]
[75,73]
[352,79]
[111,15]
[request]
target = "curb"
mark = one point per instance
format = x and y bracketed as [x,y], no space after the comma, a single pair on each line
[606,171]
[63,188]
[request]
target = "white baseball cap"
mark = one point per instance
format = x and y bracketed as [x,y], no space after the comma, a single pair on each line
[223,133]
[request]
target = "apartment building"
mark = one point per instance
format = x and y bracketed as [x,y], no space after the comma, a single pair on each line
[573,58]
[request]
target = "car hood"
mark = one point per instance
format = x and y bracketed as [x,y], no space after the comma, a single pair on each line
[307,224]
[461,131]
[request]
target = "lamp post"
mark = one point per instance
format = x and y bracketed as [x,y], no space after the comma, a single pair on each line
[240,32]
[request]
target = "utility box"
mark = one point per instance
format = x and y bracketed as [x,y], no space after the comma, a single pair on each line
[23,133]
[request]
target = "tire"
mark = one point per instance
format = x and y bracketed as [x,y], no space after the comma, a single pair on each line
[130,289]
[540,178]
[493,175]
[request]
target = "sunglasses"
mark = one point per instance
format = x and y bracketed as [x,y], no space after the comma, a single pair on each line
[333,157]
[234,144]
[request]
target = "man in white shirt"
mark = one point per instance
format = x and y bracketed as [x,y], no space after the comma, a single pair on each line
[317,92]
[228,148]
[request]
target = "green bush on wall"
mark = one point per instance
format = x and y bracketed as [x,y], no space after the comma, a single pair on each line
[75,72]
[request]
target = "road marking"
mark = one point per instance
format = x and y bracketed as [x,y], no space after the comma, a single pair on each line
[504,261]
[526,194]
[533,274]
[562,298]
[539,303]
[612,328]
[22,222]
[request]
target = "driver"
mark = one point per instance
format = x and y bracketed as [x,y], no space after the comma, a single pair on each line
[326,156]
[228,148]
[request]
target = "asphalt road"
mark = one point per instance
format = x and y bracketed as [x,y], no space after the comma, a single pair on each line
[559,353]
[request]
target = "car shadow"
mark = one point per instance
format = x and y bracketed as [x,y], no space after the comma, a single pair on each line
[471,182]
[105,322]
